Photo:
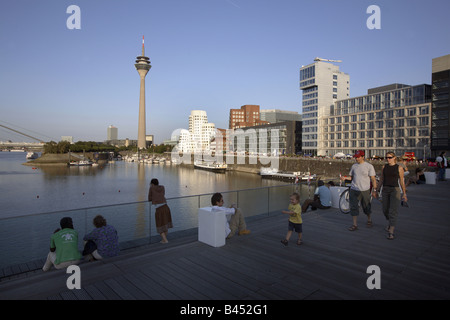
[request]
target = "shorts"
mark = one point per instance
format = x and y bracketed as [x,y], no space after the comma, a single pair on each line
[295,226]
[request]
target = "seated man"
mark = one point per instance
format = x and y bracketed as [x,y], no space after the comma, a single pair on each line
[63,247]
[418,178]
[322,198]
[235,218]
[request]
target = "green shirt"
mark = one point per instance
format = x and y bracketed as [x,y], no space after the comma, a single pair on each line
[66,243]
[297,218]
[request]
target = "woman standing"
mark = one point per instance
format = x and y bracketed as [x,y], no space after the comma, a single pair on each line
[391,174]
[163,218]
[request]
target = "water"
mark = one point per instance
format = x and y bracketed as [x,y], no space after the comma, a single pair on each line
[26,190]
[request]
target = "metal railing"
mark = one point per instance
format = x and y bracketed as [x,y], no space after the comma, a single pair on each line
[27,238]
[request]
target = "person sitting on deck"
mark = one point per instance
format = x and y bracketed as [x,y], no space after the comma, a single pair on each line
[322,198]
[63,247]
[235,218]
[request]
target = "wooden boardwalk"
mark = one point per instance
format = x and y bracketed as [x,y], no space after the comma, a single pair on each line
[330,265]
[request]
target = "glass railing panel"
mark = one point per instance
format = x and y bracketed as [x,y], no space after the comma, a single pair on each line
[130,220]
[184,214]
[27,238]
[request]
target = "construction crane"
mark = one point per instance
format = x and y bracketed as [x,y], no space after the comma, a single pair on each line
[320,59]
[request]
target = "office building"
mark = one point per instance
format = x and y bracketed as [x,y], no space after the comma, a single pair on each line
[395,118]
[322,84]
[276,115]
[440,108]
[274,138]
[112,133]
[246,116]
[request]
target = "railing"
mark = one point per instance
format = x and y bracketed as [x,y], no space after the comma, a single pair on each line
[27,238]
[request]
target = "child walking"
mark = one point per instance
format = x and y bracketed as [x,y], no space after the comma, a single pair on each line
[295,218]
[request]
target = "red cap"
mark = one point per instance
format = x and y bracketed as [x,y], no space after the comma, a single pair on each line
[359,153]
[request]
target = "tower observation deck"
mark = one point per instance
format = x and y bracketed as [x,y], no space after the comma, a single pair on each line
[142,66]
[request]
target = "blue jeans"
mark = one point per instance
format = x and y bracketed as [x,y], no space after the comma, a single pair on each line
[441,174]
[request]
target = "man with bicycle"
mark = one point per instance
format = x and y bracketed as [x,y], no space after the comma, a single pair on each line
[362,174]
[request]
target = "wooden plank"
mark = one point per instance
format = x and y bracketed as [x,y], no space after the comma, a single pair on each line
[203,283]
[81,294]
[118,289]
[146,285]
[131,288]
[94,292]
[175,284]
[106,291]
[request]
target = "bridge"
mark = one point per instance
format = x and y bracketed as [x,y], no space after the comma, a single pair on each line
[25,146]
[9,145]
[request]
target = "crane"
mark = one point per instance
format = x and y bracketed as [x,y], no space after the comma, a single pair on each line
[320,59]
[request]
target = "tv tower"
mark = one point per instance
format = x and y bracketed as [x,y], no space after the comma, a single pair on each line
[142,66]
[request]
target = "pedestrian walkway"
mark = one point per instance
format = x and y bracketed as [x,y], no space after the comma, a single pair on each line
[331,263]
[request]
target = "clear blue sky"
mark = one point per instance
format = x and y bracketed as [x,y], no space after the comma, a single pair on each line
[213,55]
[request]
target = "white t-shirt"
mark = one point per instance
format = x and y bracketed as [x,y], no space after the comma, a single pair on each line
[361,174]
[228,212]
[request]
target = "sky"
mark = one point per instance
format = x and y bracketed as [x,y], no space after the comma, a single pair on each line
[212,55]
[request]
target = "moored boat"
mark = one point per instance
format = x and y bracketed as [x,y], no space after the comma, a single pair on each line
[214,167]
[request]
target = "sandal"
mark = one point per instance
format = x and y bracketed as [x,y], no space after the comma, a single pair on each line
[285,242]
[299,242]
[369,224]
[353,228]
[390,236]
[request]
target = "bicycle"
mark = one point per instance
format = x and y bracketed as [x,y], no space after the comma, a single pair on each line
[344,199]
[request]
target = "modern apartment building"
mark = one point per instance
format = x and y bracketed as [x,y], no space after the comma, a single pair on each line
[395,117]
[440,109]
[246,116]
[322,84]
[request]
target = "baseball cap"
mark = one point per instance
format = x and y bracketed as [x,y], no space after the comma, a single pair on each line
[359,153]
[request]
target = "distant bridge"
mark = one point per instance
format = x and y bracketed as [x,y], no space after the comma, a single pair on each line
[24,134]
[25,146]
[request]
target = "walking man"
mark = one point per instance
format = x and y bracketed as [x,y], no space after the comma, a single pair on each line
[362,174]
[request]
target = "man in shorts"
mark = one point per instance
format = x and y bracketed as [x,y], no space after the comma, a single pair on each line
[362,174]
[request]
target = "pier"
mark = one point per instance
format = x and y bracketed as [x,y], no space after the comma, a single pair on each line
[331,264]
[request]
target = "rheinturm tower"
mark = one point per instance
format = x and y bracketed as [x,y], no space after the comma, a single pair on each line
[142,66]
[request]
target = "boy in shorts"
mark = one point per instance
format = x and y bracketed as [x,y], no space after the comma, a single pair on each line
[295,218]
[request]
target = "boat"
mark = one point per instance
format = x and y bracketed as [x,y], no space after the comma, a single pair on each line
[80,163]
[213,166]
[308,176]
[272,173]
[32,155]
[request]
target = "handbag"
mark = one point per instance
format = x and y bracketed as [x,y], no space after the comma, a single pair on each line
[89,247]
